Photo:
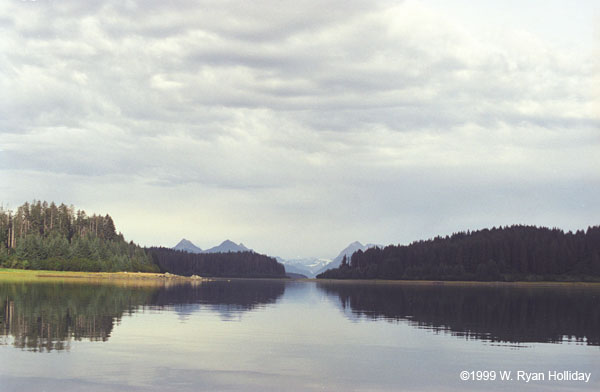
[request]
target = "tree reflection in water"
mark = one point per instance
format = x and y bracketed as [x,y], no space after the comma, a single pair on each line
[504,313]
[48,316]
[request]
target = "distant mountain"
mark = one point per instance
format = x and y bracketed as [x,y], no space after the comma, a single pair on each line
[310,266]
[292,268]
[224,247]
[307,266]
[348,251]
[227,246]
[187,246]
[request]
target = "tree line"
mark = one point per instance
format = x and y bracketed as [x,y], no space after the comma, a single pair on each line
[231,264]
[498,254]
[41,235]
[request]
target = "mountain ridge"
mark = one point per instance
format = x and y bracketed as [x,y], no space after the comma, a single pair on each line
[308,266]
[224,247]
[187,246]
[305,266]
[227,246]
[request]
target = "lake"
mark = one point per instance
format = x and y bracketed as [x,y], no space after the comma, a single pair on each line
[274,335]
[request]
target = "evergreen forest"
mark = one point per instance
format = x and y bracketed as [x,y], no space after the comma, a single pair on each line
[46,236]
[499,254]
[231,264]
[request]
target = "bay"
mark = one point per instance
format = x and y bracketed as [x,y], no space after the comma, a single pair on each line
[277,335]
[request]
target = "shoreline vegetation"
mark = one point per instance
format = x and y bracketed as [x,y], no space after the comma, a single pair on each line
[245,264]
[473,283]
[511,253]
[7,274]
[45,236]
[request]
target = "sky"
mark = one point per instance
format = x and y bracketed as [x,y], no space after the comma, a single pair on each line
[297,127]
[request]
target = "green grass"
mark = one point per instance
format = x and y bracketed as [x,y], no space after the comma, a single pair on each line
[146,278]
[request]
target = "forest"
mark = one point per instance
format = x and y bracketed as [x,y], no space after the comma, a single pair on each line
[41,235]
[231,264]
[512,253]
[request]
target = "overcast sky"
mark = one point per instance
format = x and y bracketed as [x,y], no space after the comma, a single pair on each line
[297,127]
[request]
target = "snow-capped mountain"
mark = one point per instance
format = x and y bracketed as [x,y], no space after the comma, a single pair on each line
[305,266]
[348,251]
[310,266]
[187,246]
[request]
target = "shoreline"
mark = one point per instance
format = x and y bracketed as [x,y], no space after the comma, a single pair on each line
[522,283]
[74,276]
[125,276]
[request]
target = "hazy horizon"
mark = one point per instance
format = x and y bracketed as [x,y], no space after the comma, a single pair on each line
[297,127]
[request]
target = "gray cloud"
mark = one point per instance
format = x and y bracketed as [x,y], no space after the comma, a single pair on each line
[295,127]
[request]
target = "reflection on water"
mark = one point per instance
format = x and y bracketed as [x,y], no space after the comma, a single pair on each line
[289,336]
[47,316]
[228,298]
[240,294]
[504,313]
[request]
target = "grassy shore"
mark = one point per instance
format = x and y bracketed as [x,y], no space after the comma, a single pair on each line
[20,275]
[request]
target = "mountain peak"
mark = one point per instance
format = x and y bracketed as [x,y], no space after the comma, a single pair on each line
[348,251]
[227,246]
[305,266]
[187,246]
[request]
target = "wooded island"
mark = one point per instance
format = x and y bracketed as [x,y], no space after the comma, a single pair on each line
[515,253]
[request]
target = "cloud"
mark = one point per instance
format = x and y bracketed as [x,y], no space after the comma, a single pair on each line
[279,121]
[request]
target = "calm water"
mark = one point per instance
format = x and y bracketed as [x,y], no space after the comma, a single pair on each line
[275,335]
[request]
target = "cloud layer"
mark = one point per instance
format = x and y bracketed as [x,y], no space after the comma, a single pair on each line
[297,126]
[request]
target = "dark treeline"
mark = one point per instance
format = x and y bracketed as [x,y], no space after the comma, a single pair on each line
[39,235]
[232,264]
[498,313]
[509,253]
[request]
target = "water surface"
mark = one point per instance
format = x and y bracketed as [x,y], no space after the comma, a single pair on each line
[276,335]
